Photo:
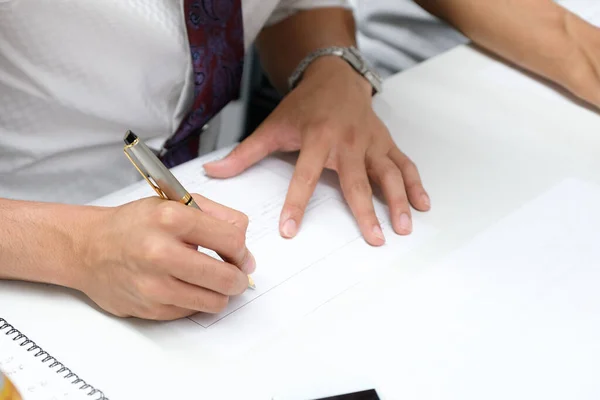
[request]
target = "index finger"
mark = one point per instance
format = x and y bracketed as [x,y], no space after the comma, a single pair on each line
[222,212]
[201,229]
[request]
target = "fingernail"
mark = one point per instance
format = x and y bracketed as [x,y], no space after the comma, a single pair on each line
[249,265]
[289,228]
[425,199]
[405,223]
[378,232]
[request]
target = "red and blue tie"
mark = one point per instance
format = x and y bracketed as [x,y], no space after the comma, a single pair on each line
[215,31]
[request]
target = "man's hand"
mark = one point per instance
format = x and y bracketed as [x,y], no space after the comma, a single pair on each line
[540,36]
[583,69]
[329,117]
[141,259]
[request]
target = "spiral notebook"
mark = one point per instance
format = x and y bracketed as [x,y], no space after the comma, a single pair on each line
[36,373]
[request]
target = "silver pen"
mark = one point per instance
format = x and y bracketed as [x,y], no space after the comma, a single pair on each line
[154,171]
[158,176]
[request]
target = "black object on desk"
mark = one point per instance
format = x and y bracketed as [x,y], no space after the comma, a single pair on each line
[364,395]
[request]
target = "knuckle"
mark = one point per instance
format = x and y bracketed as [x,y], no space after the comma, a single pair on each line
[407,164]
[151,312]
[242,220]
[149,288]
[219,303]
[229,282]
[389,171]
[121,310]
[203,272]
[350,139]
[208,271]
[167,215]
[322,129]
[237,241]
[118,311]
[213,303]
[154,250]
[199,303]
[359,186]
[367,220]
[162,313]
[305,178]
[366,213]
[372,165]
[120,314]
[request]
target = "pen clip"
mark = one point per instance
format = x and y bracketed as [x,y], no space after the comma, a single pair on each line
[146,176]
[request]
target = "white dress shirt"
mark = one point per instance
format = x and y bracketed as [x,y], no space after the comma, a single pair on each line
[397,34]
[76,74]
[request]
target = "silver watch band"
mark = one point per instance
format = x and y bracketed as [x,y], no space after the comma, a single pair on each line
[349,54]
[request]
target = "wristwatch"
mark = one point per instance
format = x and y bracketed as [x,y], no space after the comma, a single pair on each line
[351,55]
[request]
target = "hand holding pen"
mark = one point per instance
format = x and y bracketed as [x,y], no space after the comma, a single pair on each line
[142,259]
[159,177]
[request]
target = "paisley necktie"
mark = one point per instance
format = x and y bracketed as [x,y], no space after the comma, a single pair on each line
[215,32]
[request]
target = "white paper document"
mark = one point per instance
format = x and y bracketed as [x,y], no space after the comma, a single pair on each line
[293,277]
[512,314]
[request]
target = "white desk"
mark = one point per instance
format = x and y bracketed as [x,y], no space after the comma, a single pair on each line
[484,148]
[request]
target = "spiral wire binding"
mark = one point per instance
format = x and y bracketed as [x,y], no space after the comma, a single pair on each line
[54,365]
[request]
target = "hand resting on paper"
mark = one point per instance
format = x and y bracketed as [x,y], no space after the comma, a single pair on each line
[139,259]
[329,117]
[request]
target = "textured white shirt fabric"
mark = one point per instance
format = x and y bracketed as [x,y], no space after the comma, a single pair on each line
[397,34]
[76,74]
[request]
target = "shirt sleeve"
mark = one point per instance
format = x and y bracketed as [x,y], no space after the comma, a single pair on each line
[287,8]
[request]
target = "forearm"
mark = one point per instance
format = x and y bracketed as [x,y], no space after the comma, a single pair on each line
[283,45]
[43,242]
[537,35]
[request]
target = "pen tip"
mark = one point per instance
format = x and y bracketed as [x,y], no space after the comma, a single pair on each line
[130,137]
[251,284]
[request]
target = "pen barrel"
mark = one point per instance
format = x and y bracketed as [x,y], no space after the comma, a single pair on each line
[154,169]
[193,203]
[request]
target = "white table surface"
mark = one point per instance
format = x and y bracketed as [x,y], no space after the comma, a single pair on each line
[484,146]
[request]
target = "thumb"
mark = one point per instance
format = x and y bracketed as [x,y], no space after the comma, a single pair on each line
[256,147]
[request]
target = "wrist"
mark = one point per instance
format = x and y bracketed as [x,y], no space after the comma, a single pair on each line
[43,242]
[329,66]
[66,234]
[80,259]
[581,71]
